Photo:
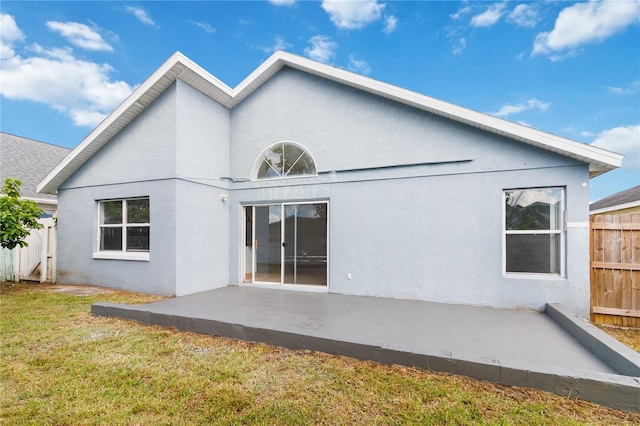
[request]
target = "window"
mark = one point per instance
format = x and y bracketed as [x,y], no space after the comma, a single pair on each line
[284,159]
[533,234]
[124,228]
[287,244]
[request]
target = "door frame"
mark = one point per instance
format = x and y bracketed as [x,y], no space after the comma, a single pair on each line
[252,272]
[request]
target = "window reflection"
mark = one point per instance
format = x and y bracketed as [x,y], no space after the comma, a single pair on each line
[285,159]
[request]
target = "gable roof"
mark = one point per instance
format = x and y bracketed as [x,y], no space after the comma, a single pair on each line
[618,201]
[179,67]
[29,161]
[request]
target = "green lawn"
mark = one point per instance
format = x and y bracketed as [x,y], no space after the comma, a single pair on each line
[61,365]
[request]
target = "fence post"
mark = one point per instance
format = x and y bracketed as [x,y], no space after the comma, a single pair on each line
[15,268]
[53,249]
[44,250]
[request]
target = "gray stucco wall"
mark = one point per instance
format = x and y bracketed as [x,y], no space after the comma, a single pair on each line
[431,231]
[78,239]
[142,151]
[174,153]
[348,129]
[436,238]
[202,240]
[138,161]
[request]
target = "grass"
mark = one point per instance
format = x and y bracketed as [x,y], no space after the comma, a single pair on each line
[61,365]
[628,336]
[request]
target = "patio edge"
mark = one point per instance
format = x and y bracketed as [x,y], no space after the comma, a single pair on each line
[616,355]
[616,391]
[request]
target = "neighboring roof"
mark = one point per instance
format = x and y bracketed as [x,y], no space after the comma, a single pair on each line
[29,161]
[179,67]
[620,200]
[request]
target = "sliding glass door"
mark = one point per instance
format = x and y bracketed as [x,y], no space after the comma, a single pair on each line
[286,243]
[267,244]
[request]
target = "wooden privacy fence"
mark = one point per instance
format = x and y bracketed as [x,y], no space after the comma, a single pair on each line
[37,261]
[615,269]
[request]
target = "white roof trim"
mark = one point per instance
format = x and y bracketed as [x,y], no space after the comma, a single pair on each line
[624,206]
[179,67]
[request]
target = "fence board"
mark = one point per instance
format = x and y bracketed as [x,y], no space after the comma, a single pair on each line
[36,262]
[615,269]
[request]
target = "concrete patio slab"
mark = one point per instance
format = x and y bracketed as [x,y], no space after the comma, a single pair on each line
[521,348]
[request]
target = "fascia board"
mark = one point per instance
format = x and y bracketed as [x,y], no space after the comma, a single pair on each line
[51,201]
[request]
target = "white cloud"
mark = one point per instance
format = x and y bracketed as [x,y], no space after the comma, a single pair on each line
[490,16]
[282,2]
[280,43]
[584,23]
[459,47]
[9,31]
[86,118]
[533,103]
[390,24]
[140,14]
[206,27]
[81,89]
[80,35]
[9,34]
[524,15]
[358,65]
[460,13]
[621,91]
[573,132]
[322,49]
[623,140]
[351,15]
[458,39]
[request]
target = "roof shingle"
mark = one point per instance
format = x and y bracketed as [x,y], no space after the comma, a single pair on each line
[619,198]
[29,161]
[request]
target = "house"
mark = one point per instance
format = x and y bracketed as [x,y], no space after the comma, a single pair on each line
[309,177]
[623,202]
[29,161]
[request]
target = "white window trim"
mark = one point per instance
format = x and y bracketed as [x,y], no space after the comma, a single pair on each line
[122,254]
[258,162]
[119,255]
[561,231]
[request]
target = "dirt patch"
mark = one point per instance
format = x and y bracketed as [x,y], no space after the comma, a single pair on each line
[76,290]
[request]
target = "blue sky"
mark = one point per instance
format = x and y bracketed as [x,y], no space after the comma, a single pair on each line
[568,68]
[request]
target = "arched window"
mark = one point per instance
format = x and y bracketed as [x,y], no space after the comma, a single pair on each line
[284,159]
